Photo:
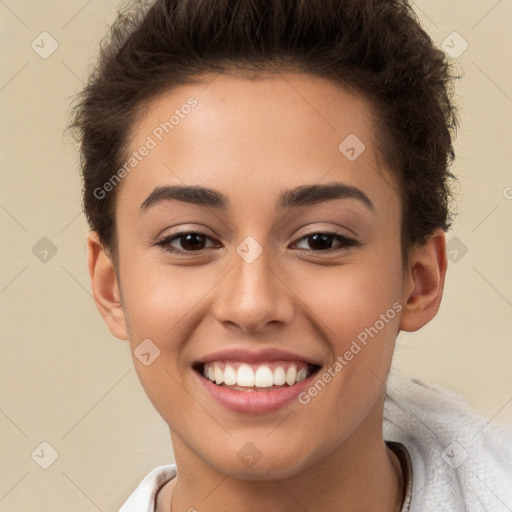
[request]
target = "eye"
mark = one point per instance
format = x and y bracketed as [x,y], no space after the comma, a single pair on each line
[190,241]
[193,241]
[322,242]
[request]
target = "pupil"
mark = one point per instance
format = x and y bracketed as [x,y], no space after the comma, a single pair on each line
[323,239]
[190,239]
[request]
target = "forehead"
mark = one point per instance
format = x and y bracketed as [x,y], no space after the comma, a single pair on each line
[262,135]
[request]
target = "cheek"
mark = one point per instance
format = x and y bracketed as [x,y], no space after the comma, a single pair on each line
[157,296]
[350,298]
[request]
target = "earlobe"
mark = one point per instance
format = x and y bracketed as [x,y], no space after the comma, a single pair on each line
[105,287]
[424,283]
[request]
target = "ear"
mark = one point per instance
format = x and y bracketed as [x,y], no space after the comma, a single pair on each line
[105,288]
[424,283]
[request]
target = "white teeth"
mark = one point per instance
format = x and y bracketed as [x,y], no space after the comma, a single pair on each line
[291,375]
[229,376]
[264,377]
[218,373]
[279,376]
[245,376]
[301,374]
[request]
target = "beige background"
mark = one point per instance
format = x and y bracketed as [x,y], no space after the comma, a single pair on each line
[65,380]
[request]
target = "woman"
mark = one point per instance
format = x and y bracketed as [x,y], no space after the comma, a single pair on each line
[267,185]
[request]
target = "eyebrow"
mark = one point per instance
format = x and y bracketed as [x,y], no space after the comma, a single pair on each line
[304,195]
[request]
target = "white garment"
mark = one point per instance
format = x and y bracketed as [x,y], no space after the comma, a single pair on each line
[143,499]
[460,461]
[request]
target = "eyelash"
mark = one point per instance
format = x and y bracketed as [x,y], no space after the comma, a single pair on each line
[347,242]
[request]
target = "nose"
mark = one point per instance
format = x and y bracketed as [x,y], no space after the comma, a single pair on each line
[253,295]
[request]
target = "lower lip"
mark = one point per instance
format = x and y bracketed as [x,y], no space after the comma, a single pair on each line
[254,402]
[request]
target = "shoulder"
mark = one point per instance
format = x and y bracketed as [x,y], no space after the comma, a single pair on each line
[142,498]
[460,460]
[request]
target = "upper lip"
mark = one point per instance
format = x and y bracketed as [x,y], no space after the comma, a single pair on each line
[260,356]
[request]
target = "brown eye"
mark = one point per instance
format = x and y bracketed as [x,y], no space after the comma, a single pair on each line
[322,242]
[192,242]
[189,241]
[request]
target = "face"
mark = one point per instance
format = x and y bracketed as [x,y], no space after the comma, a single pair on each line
[288,253]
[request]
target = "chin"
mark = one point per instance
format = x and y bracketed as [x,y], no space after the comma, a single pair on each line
[260,465]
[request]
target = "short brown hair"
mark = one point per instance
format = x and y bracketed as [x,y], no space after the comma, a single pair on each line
[375,47]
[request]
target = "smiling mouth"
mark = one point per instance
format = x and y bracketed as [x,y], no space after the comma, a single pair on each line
[242,376]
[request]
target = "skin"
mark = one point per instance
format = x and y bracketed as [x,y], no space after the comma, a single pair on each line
[251,139]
